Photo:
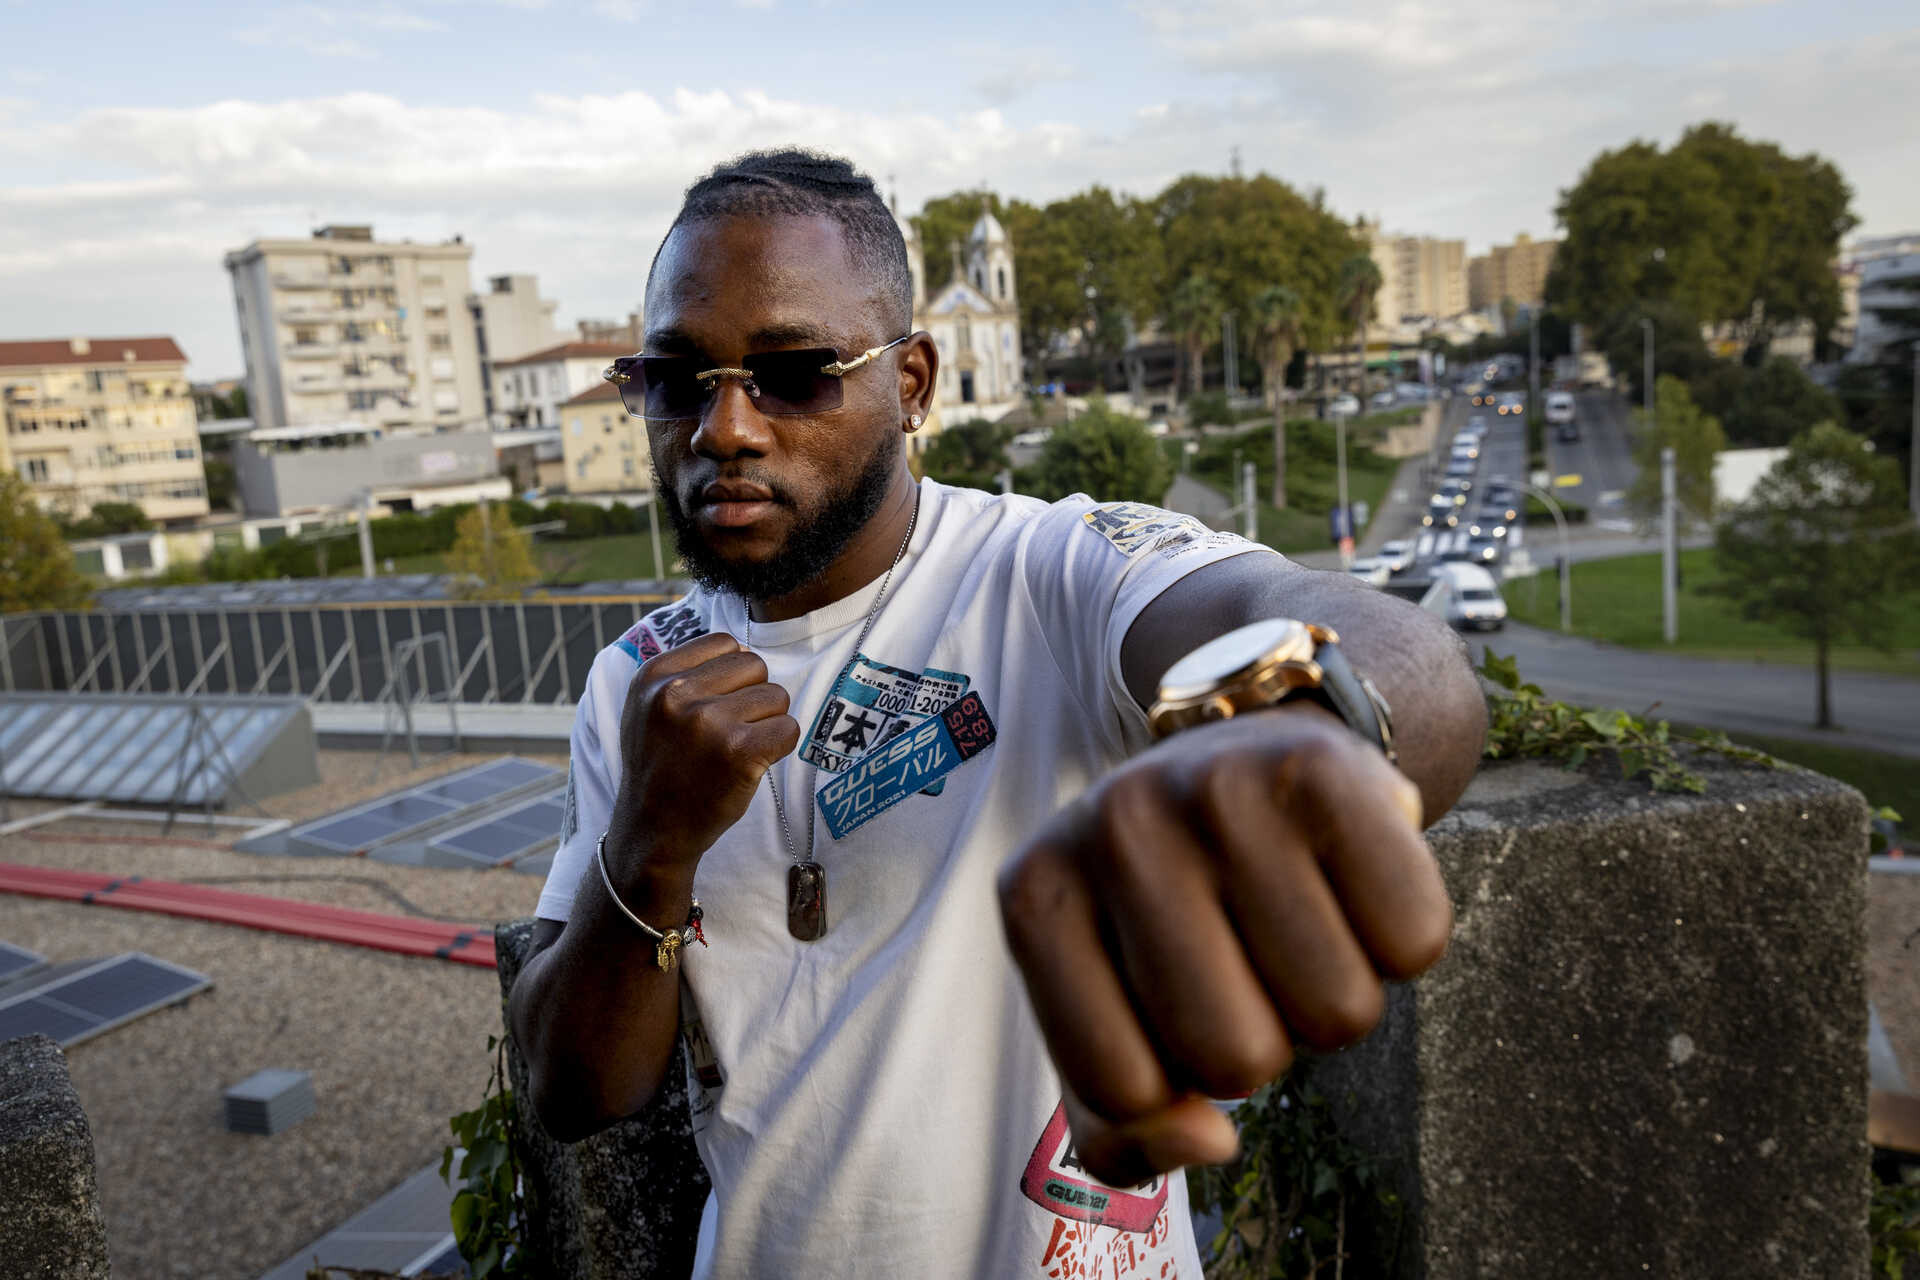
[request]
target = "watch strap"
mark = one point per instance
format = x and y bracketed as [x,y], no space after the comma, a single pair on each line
[1349,695]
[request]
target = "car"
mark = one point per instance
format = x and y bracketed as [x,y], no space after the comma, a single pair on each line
[1567,431]
[1397,555]
[1370,571]
[1439,513]
[1382,400]
[1468,448]
[1477,424]
[1493,512]
[1482,548]
[1460,466]
[1032,439]
[1474,599]
[1560,407]
[1346,406]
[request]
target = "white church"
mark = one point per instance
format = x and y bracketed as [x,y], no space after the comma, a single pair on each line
[975,323]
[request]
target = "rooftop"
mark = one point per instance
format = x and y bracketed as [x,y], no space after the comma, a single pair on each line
[599,391]
[89,351]
[569,351]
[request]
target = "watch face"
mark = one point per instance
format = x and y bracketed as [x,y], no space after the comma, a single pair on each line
[1223,658]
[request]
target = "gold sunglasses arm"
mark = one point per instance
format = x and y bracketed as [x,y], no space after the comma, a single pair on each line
[838,369]
[617,378]
[707,375]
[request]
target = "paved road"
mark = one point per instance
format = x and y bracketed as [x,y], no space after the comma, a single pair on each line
[1602,457]
[1876,712]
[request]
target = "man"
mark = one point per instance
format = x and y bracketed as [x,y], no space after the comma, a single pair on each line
[979,952]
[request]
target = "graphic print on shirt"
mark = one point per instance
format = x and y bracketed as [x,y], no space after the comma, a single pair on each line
[1134,528]
[663,629]
[911,761]
[872,703]
[704,1077]
[1099,1232]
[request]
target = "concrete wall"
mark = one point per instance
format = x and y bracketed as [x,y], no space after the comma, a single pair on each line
[50,1223]
[276,483]
[1645,1053]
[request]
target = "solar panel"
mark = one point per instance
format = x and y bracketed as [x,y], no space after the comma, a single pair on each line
[502,836]
[76,1003]
[378,826]
[17,960]
[148,748]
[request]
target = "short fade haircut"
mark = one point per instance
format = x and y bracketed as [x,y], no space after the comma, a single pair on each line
[798,183]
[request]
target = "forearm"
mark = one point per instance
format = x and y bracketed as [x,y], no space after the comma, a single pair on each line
[594,1015]
[1414,658]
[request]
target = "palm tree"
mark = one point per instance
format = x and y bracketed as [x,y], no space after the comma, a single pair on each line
[1360,283]
[1193,313]
[1279,314]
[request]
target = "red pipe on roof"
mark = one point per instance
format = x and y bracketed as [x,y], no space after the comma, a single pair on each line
[407,935]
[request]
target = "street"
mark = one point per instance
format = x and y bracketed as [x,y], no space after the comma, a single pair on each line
[1602,457]
[1875,712]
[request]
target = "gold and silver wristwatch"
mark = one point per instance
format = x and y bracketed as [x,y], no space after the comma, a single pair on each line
[1264,664]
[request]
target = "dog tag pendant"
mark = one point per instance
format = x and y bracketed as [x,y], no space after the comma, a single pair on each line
[807,901]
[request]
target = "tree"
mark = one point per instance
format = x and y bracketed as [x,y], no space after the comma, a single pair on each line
[1193,314]
[1360,283]
[1729,230]
[1822,547]
[1103,453]
[946,221]
[1279,315]
[36,566]
[1765,407]
[1244,234]
[491,557]
[1695,437]
[968,454]
[1088,265]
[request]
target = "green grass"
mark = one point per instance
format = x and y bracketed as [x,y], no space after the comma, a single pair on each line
[1618,600]
[1312,478]
[624,555]
[1883,779]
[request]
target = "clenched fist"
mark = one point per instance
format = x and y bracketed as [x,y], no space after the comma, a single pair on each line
[1236,890]
[700,727]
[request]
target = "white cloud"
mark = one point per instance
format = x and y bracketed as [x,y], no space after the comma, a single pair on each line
[332,32]
[621,10]
[116,219]
[1016,74]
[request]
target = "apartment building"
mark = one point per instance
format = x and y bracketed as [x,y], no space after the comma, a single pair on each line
[604,447]
[91,420]
[342,330]
[510,319]
[1429,276]
[529,391]
[1516,272]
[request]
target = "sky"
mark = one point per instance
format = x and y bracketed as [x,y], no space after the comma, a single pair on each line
[140,142]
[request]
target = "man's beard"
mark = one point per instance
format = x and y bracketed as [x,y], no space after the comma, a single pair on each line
[809,550]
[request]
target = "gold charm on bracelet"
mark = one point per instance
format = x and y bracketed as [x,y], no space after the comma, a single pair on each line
[668,951]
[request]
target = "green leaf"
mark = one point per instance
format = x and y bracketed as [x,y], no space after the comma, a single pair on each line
[465,1214]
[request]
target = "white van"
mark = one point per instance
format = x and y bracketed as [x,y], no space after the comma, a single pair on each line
[1474,602]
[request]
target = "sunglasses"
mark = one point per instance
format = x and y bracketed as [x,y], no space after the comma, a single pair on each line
[780,382]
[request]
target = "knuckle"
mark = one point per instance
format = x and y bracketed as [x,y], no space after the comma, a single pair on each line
[1032,891]
[1245,1063]
[1419,947]
[1229,788]
[1345,1016]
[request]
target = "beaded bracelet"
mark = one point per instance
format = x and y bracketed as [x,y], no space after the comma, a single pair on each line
[666,952]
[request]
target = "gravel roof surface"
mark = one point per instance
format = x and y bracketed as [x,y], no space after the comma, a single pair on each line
[396,1044]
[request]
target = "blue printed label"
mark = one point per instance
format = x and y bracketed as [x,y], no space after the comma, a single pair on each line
[910,761]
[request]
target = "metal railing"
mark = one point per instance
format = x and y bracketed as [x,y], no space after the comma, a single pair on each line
[535,652]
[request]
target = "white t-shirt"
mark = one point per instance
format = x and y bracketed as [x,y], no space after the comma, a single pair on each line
[879,1102]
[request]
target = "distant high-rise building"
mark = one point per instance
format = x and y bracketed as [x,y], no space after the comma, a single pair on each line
[630,333]
[509,320]
[1420,277]
[91,420]
[344,330]
[1430,276]
[1514,272]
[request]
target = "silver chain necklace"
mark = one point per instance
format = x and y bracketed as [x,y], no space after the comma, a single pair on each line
[807,879]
